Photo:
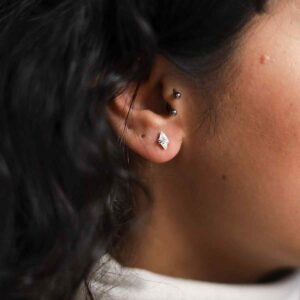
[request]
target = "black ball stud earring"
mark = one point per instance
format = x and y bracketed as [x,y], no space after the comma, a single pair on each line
[176,94]
[172,111]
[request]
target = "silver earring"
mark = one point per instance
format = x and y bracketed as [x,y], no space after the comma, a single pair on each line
[176,94]
[171,111]
[163,140]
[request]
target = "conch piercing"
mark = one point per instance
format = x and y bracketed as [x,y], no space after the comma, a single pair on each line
[173,111]
[176,94]
[163,140]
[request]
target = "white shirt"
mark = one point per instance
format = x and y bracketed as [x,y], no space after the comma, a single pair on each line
[123,283]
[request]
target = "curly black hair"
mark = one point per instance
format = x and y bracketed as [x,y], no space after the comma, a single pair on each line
[65,180]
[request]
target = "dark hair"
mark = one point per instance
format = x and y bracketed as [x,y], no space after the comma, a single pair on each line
[65,183]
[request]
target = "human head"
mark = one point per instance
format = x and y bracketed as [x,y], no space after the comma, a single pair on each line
[64,175]
[228,185]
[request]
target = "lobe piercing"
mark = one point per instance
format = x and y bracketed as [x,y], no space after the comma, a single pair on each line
[163,140]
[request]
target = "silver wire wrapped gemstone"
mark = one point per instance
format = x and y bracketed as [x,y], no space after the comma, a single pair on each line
[163,140]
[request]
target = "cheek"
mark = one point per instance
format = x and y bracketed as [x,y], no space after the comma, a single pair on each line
[268,93]
[264,135]
[268,87]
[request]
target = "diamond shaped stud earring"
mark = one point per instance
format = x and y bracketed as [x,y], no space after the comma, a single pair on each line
[163,140]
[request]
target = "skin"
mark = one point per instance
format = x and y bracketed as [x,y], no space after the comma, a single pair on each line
[226,202]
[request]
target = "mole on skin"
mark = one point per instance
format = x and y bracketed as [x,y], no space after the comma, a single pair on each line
[264,59]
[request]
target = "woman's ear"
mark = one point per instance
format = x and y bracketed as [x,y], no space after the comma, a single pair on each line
[140,123]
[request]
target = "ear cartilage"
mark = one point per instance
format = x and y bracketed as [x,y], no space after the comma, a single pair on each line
[163,140]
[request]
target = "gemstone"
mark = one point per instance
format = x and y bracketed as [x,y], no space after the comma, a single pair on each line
[163,140]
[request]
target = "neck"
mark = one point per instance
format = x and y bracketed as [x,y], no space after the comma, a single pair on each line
[167,247]
[179,237]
